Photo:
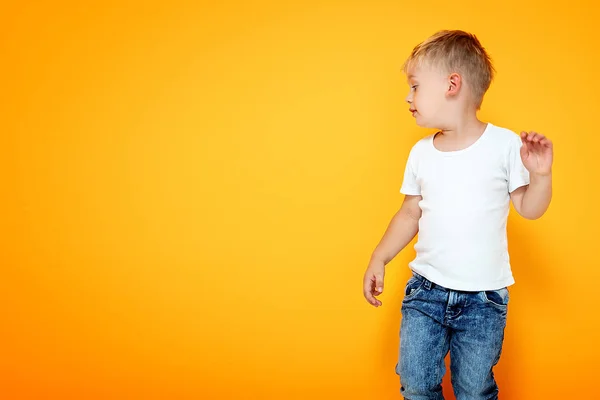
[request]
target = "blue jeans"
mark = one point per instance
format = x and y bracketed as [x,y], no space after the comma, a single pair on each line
[435,321]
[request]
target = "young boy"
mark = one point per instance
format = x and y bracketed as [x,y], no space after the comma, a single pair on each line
[457,185]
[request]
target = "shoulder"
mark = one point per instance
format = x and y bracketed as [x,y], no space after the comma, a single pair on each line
[422,146]
[503,138]
[503,134]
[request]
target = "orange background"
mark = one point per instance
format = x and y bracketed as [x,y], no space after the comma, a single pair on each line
[192,191]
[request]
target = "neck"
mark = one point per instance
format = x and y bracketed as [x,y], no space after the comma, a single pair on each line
[466,126]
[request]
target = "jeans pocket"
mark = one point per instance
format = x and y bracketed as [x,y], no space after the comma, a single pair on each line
[413,286]
[497,298]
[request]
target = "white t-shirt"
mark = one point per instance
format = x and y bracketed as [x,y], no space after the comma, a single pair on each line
[462,242]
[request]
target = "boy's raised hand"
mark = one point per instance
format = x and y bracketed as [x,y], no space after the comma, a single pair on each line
[536,153]
[373,282]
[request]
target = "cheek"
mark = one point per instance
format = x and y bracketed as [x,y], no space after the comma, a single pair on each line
[420,100]
[416,97]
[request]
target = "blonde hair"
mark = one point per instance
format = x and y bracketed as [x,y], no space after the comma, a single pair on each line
[456,51]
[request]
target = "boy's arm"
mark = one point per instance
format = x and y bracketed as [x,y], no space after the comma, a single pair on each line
[400,231]
[533,200]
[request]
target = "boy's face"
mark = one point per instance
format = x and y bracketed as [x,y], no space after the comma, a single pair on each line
[427,96]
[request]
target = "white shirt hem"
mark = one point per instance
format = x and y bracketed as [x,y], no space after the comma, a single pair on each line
[452,284]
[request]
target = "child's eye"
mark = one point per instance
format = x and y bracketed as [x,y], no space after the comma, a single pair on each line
[414,87]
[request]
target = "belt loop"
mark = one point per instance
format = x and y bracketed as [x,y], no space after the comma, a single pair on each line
[427,284]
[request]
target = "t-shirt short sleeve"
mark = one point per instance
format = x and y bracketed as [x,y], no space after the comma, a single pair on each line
[517,173]
[410,186]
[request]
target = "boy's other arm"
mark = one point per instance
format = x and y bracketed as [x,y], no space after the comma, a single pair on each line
[533,200]
[401,230]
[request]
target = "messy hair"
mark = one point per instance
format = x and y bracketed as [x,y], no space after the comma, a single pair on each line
[456,51]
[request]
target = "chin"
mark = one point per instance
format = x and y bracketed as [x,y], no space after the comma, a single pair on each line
[423,123]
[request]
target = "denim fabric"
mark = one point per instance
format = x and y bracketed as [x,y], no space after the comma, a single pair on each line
[435,321]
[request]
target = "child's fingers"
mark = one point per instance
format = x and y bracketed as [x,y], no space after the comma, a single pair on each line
[370,298]
[535,146]
[531,135]
[526,137]
[378,283]
[524,149]
[368,291]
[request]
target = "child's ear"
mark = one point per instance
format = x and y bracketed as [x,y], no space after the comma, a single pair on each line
[454,84]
